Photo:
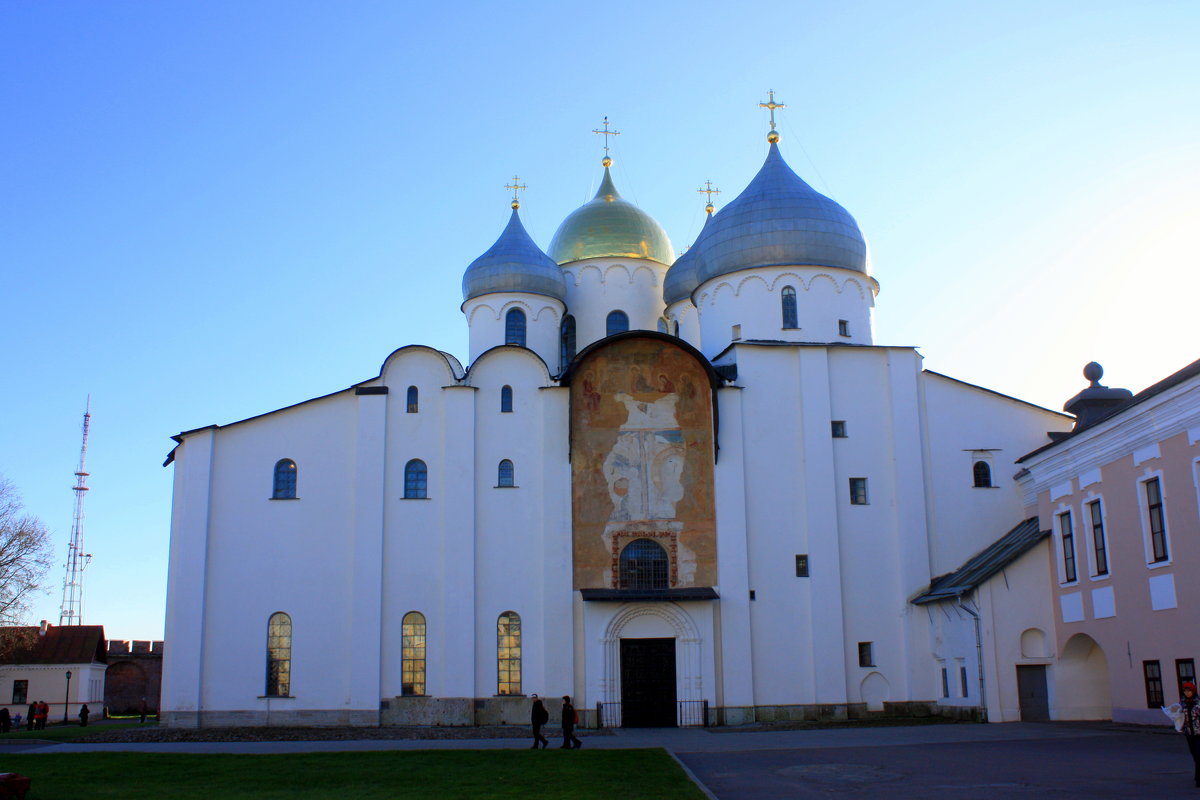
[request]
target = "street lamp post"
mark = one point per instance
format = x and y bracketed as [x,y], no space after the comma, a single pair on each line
[67,699]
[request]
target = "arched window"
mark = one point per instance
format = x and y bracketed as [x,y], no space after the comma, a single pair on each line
[285,480]
[617,322]
[411,401]
[416,480]
[279,655]
[566,341]
[983,475]
[514,327]
[412,654]
[506,399]
[505,474]
[508,653]
[644,565]
[676,329]
[788,298]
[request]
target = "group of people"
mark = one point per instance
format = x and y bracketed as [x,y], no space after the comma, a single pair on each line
[539,716]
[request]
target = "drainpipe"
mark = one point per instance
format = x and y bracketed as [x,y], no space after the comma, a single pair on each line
[978,656]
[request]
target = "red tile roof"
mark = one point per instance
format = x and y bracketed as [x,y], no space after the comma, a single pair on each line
[66,644]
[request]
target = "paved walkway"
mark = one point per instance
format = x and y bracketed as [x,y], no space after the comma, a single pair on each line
[1011,760]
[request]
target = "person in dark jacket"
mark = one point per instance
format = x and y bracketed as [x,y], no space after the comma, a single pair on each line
[539,716]
[568,725]
[1186,714]
[83,715]
[5,721]
[31,716]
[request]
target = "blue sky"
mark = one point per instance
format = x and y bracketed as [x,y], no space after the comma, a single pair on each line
[211,210]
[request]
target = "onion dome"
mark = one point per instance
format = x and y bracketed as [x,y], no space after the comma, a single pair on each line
[681,279]
[607,226]
[514,264]
[779,220]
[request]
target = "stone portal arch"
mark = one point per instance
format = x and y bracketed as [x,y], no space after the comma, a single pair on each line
[1081,681]
[650,620]
[875,691]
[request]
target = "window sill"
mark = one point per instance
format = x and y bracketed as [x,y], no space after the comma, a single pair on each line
[985,487]
[1159,564]
[407,696]
[276,697]
[506,487]
[1103,577]
[1069,584]
[283,498]
[416,498]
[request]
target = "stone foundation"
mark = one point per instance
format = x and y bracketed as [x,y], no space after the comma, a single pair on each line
[312,718]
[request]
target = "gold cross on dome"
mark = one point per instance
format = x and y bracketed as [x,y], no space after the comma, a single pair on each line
[771,105]
[708,190]
[606,133]
[516,187]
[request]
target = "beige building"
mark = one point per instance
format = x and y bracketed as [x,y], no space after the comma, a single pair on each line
[62,666]
[1120,496]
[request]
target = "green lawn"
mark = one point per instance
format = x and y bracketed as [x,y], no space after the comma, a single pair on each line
[546,774]
[60,732]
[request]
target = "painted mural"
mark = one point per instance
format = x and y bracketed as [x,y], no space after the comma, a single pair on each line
[642,461]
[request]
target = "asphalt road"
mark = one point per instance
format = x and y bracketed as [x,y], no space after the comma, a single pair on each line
[1112,764]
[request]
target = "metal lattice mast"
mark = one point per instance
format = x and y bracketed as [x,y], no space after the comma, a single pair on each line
[72,603]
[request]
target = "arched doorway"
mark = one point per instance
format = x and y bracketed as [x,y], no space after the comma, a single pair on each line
[1081,681]
[652,661]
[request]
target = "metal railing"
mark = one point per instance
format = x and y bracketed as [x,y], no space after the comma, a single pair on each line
[688,714]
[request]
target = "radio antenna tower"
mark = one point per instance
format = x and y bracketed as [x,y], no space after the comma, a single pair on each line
[77,561]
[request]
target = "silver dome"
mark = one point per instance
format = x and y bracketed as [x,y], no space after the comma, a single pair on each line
[681,279]
[514,264]
[779,220]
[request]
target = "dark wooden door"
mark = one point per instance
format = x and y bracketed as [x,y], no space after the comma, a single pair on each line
[648,683]
[1031,688]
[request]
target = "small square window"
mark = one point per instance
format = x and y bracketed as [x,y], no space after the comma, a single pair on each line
[736,332]
[802,565]
[866,654]
[843,327]
[838,428]
[752,596]
[858,491]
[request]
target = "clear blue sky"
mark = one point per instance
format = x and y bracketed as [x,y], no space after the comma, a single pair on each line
[212,210]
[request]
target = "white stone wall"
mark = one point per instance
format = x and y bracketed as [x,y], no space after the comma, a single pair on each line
[597,286]
[486,322]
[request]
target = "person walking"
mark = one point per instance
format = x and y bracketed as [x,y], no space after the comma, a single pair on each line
[42,711]
[83,715]
[538,716]
[1186,716]
[569,719]
[5,721]
[31,716]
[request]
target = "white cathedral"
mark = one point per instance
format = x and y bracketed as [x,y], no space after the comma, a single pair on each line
[682,491]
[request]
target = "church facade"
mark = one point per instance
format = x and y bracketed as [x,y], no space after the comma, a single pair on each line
[682,491]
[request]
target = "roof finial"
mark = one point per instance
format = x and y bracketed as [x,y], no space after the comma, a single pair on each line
[606,133]
[771,105]
[710,191]
[516,187]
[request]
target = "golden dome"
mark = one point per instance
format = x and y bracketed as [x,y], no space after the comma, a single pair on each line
[607,226]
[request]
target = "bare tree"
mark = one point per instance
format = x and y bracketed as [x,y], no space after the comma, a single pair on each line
[25,556]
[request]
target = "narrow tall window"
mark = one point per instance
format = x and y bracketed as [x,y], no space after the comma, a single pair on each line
[410,404]
[508,653]
[644,565]
[514,327]
[675,327]
[788,301]
[983,475]
[617,322]
[412,654]
[858,491]
[962,676]
[20,693]
[662,326]
[1067,530]
[1185,672]
[506,399]
[945,682]
[285,480]
[843,327]
[1098,542]
[504,475]
[279,655]
[416,480]
[566,341]
[1158,526]
[1152,671]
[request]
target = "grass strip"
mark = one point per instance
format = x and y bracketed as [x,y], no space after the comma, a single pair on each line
[547,774]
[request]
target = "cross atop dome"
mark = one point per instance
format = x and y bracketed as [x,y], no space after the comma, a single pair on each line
[607,161]
[710,191]
[516,187]
[771,105]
